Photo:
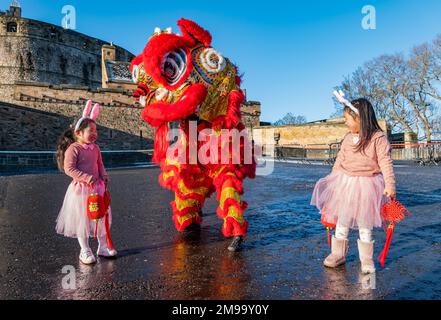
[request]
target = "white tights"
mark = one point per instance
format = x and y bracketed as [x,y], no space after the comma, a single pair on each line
[342,232]
[84,242]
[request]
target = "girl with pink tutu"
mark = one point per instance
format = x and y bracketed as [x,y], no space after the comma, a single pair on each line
[362,178]
[80,158]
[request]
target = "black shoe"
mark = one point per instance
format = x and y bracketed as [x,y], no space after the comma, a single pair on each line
[235,245]
[192,228]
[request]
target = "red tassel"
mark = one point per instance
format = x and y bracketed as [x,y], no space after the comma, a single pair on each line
[383,255]
[329,226]
[108,239]
[96,229]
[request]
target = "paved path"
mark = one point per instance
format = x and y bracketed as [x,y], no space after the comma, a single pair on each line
[281,257]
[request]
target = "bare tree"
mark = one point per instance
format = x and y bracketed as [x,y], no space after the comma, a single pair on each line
[404,91]
[289,118]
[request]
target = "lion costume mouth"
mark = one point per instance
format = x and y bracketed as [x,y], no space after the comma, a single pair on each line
[186,105]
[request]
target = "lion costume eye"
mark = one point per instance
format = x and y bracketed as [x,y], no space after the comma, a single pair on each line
[212,60]
[135,73]
[174,66]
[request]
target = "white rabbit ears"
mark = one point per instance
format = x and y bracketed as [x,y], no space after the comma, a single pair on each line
[89,113]
[341,98]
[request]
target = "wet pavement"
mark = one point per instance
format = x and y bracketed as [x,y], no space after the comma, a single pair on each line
[281,257]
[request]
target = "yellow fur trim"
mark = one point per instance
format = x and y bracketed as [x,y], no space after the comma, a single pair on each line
[228,193]
[235,214]
[182,219]
[187,203]
[185,190]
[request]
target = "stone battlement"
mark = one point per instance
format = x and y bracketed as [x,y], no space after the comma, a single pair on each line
[32,50]
[47,74]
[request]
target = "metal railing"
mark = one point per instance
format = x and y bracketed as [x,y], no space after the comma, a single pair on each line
[422,153]
[308,154]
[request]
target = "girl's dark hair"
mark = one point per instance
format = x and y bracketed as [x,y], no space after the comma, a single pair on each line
[66,139]
[368,121]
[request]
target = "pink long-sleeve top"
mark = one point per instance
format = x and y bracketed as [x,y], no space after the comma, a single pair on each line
[374,160]
[83,162]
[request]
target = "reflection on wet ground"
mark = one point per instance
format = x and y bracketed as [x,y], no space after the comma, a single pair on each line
[281,257]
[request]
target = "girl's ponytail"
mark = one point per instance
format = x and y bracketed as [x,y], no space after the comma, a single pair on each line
[65,140]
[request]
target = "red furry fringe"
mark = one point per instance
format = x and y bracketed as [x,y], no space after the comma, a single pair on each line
[188,222]
[157,113]
[195,196]
[161,143]
[232,228]
[222,213]
[169,183]
[135,61]
[191,176]
[155,51]
[184,211]
[237,185]
[194,33]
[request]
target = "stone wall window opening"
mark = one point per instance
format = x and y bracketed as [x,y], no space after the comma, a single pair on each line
[53,33]
[140,134]
[110,133]
[11,27]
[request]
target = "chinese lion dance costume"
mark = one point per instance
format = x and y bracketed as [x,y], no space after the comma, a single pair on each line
[183,80]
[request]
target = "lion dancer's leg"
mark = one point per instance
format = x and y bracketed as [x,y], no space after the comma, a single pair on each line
[190,190]
[228,184]
[189,200]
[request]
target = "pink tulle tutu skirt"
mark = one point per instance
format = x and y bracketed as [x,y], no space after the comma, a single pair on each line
[352,201]
[72,220]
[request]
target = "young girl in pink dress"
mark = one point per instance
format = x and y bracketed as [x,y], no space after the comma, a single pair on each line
[80,158]
[360,182]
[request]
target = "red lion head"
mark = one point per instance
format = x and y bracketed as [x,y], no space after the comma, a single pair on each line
[182,75]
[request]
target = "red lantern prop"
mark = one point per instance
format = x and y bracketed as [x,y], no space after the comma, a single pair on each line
[393,212]
[98,208]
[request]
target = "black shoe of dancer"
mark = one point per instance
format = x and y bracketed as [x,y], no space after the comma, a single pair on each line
[235,245]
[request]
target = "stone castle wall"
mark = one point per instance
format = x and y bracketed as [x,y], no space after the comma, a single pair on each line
[316,137]
[47,74]
[43,52]
[40,114]
[37,114]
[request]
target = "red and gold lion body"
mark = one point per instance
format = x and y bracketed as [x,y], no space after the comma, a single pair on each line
[182,79]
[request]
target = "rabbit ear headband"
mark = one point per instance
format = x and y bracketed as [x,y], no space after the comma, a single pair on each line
[341,98]
[89,113]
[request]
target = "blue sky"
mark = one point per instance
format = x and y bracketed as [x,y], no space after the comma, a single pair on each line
[292,53]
